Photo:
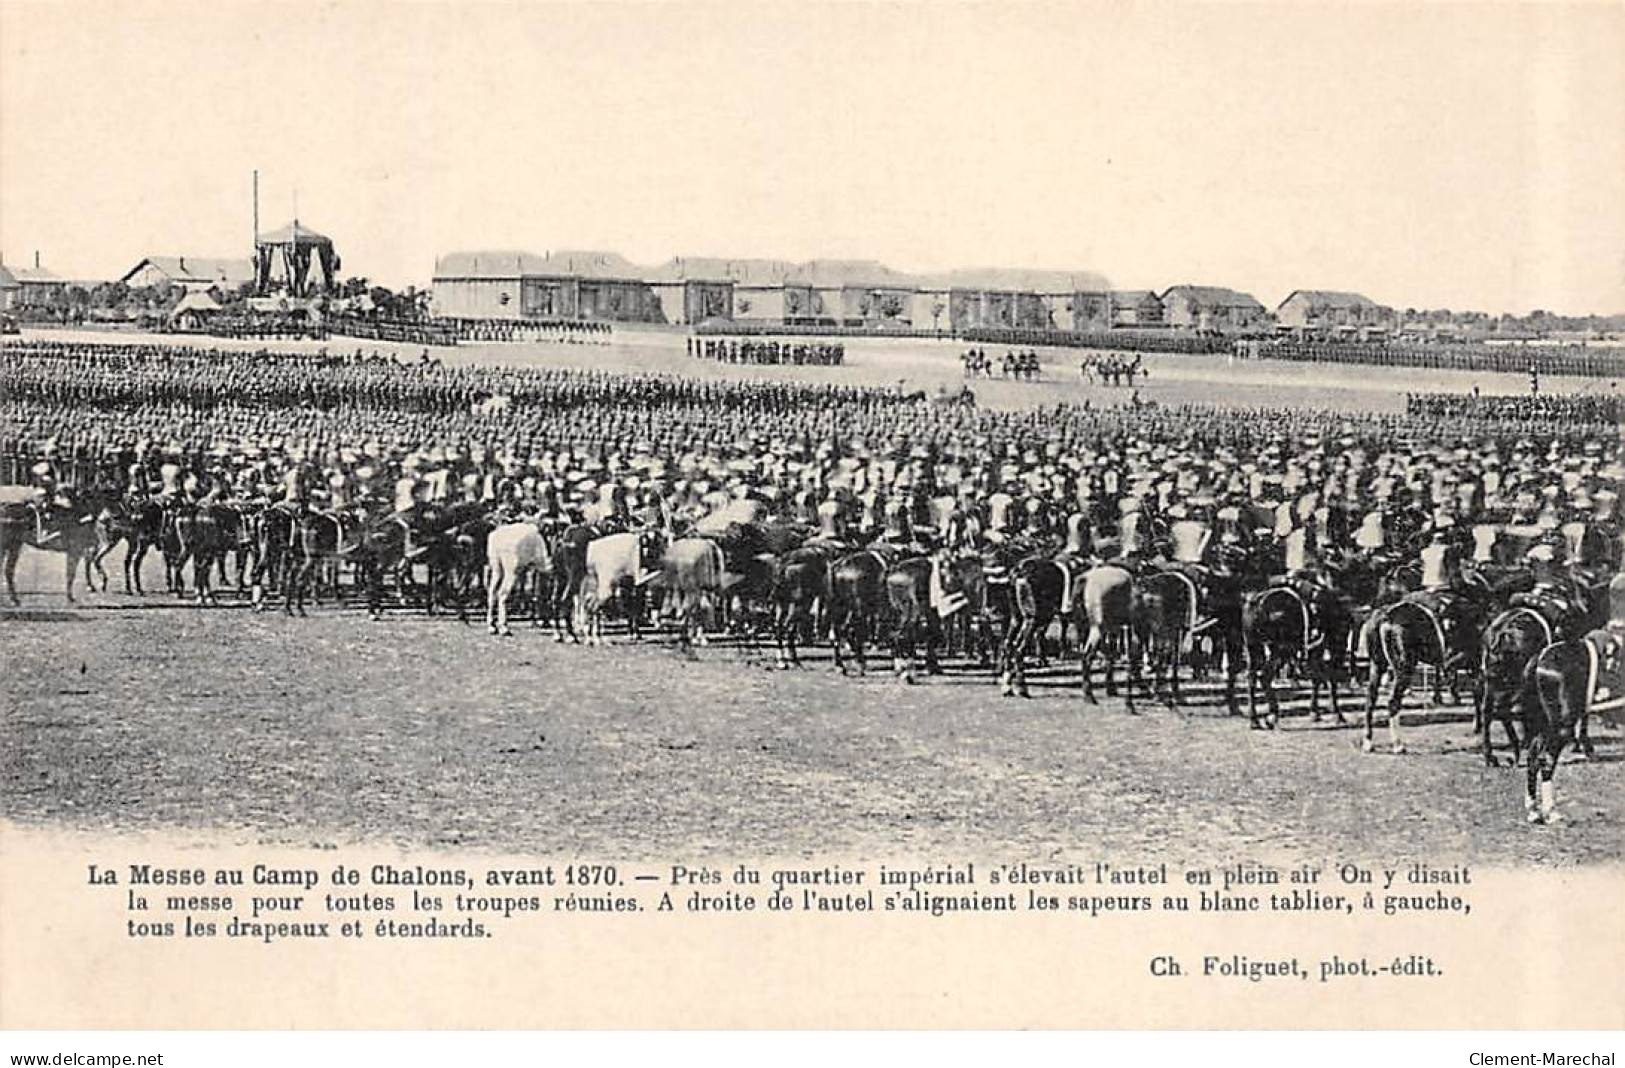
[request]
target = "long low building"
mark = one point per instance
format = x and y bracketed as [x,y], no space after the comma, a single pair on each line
[605,286]
[1332,312]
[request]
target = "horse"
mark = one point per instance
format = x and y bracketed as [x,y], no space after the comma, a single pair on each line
[1308,624]
[1566,683]
[195,534]
[919,590]
[976,629]
[1411,632]
[569,551]
[1165,614]
[318,540]
[1511,643]
[692,575]
[139,524]
[1105,613]
[856,600]
[615,566]
[240,539]
[1036,585]
[750,554]
[455,556]
[69,528]
[275,532]
[379,551]
[513,553]
[800,581]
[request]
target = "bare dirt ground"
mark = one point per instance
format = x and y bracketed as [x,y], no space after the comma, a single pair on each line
[130,715]
[137,714]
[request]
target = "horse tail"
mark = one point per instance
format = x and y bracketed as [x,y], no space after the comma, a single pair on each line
[1367,629]
[1390,637]
[1026,600]
[1545,705]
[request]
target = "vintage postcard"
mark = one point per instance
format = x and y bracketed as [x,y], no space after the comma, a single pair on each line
[731,515]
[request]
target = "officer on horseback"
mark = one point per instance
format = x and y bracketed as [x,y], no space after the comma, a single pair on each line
[1553,595]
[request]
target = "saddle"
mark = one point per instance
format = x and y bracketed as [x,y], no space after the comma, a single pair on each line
[1557,608]
[1072,570]
[830,546]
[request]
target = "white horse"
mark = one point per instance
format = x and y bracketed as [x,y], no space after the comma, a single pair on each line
[615,562]
[513,552]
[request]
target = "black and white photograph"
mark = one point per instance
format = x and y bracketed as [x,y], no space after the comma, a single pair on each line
[900,458]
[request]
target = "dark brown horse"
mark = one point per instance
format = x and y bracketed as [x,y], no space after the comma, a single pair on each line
[908,592]
[1411,632]
[276,531]
[319,540]
[1165,617]
[1303,625]
[200,534]
[857,600]
[1564,685]
[800,583]
[1511,643]
[1036,594]
[68,526]
[139,525]
[569,550]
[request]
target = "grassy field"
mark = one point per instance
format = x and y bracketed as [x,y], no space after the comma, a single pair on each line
[126,714]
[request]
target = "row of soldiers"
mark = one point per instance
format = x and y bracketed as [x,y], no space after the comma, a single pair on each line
[593,410]
[113,377]
[799,353]
[1585,408]
[1171,341]
[1577,360]
[572,331]
[401,331]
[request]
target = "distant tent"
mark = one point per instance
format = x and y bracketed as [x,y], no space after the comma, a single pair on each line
[193,309]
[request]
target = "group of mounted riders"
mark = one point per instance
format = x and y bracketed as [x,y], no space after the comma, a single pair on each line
[1020,364]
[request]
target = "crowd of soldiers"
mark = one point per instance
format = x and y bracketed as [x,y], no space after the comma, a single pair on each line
[401,331]
[1576,360]
[569,331]
[1585,408]
[258,328]
[1019,364]
[735,350]
[377,442]
[1174,341]
[552,437]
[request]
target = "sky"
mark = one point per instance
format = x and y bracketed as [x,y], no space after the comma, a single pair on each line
[1465,156]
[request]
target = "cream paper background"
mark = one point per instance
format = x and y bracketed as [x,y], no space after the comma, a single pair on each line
[1541,949]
